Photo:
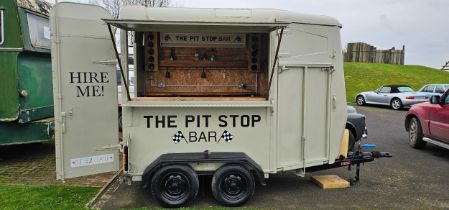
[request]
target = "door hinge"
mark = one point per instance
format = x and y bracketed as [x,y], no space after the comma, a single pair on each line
[112,147]
[283,68]
[330,69]
[112,62]
[283,55]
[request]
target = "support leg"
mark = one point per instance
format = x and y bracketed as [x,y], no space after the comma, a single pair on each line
[356,178]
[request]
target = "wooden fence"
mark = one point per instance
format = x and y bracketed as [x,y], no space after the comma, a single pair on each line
[362,52]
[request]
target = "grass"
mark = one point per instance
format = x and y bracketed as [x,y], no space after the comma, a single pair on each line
[368,76]
[14,196]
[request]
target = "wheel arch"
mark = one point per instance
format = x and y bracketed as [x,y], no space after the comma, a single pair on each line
[351,129]
[391,100]
[364,97]
[408,118]
[225,158]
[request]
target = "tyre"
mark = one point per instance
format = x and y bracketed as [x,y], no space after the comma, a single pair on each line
[352,141]
[175,185]
[360,100]
[396,104]
[415,134]
[232,185]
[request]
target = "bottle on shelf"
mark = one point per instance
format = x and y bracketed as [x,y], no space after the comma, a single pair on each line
[172,54]
[197,55]
[212,55]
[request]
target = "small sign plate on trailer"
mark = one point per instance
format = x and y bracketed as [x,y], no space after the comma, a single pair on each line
[198,40]
[93,160]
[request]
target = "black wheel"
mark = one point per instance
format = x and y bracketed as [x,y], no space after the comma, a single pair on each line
[175,185]
[415,134]
[360,100]
[396,104]
[352,141]
[232,185]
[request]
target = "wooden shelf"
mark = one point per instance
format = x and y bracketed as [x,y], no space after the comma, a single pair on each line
[202,94]
[198,99]
[205,64]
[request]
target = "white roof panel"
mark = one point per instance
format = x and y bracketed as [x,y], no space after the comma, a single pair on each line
[135,17]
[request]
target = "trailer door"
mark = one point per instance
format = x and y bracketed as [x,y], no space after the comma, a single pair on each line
[85,91]
[303,97]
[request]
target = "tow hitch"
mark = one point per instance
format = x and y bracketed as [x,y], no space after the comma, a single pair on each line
[359,157]
[354,159]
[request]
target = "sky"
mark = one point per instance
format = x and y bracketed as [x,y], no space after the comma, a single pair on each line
[421,25]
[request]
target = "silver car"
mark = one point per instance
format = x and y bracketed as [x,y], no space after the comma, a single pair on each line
[395,96]
[434,89]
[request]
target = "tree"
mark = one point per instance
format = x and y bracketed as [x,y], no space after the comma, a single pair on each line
[113,6]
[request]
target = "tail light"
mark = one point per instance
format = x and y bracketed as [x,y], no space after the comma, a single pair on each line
[410,97]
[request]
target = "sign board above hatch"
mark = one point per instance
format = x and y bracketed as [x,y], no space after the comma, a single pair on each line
[203,40]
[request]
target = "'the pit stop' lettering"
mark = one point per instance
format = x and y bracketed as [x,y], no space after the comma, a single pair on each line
[201,121]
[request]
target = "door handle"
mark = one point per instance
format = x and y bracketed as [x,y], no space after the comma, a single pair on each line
[385,95]
[63,122]
[64,118]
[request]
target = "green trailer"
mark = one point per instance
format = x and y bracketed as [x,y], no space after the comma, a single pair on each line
[26,97]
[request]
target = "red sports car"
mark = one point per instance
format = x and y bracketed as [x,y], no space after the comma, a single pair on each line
[429,122]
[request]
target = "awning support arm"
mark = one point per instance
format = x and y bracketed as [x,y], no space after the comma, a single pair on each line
[125,81]
[275,58]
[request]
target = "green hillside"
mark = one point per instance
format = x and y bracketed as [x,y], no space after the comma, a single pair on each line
[368,76]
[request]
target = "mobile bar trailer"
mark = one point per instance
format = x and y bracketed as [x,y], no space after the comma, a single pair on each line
[235,93]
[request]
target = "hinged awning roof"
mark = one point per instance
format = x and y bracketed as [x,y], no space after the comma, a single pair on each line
[197,26]
[139,18]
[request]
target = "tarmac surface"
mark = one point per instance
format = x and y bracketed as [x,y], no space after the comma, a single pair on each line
[412,179]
